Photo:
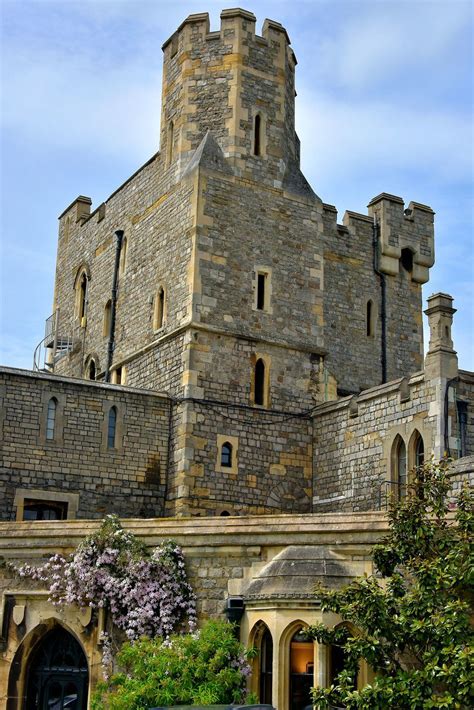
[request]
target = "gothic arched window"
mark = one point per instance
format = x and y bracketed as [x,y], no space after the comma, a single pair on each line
[399,467]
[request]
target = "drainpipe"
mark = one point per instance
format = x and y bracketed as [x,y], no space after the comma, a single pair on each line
[113,304]
[383,298]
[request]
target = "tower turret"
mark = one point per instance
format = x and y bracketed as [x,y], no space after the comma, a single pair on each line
[235,84]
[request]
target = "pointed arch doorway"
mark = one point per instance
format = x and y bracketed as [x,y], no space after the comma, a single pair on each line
[57,676]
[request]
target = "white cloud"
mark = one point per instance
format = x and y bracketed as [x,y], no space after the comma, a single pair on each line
[386,38]
[339,135]
[49,102]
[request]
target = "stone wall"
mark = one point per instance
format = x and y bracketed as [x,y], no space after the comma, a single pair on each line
[251,228]
[350,282]
[155,215]
[271,468]
[353,443]
[128,480]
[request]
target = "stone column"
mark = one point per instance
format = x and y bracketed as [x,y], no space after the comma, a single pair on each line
[441,368]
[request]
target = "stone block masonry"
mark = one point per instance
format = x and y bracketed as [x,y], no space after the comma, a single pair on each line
[127,479]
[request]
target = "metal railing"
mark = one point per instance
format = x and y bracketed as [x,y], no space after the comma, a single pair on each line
[52,347]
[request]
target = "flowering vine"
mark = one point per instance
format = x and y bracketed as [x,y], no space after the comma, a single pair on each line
[147,594]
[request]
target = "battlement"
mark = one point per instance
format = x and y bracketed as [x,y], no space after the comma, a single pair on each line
[233,20]
[405,236]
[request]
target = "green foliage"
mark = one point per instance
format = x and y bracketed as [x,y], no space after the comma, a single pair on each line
[414,628]
[208,667]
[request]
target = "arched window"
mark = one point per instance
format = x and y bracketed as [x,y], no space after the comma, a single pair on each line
[369,319]
[226,455]
[159,309]
[82,296]
[257,137]
[224,514]
[112,428]
[51,418]
[259,397]
[107,319]
[399,467]
[419,451]
[91,370]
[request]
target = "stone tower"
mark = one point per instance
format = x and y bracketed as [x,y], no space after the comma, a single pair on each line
[216,274]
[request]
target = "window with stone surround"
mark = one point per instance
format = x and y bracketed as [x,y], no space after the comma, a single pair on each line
[81,286]
[260,389]
[107,318]
[226,455]
[258,137]
[90,370]
[119,375]
[170,141]
[123,256]
[51,418]
[399,467]
[33,504]
[159,308]
[262,287]
[227,452]
[370,319]
[112,428]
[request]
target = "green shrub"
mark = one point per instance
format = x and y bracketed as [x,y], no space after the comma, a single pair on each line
[207,667]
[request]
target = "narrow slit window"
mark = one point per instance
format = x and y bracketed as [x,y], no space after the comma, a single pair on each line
[257,136]
[107,319]
[123,256]
[159,314]
[51,418]
[369,319]
[261,288]
[260,382]
[226,455]
[112,428]
[170,141]
[82,297]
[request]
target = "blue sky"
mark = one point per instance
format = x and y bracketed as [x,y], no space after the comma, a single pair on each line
[385,98]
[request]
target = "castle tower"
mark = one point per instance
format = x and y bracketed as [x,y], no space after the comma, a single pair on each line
[235,84]
[232,288]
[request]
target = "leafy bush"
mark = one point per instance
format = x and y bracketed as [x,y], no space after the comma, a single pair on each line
[415,627]
[206,667]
